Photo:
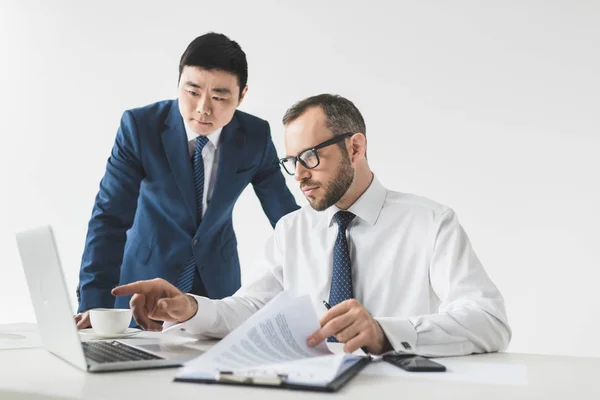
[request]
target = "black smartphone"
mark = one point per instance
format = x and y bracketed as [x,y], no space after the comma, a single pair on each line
[414,363]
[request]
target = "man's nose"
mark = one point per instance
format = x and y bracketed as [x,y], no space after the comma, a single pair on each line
[203,106]
[301,172]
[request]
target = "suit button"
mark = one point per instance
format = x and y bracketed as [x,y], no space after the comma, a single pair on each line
[195,242]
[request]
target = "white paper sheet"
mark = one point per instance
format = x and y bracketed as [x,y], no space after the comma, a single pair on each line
[271,342]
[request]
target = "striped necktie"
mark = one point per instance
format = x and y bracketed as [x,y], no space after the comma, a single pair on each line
[186,279]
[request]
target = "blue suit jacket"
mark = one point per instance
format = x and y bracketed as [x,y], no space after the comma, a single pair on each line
[144,223]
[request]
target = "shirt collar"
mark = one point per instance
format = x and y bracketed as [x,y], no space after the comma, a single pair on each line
[213,137]
[367,207]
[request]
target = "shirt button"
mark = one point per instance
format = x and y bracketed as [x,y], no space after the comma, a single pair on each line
[195,242]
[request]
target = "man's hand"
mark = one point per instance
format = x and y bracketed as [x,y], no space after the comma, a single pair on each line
[157,300]
[83,320]
[351,324]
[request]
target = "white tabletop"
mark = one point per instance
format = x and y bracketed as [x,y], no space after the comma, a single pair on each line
[32,372]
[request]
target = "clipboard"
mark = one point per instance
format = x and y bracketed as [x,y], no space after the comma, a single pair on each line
[280,381]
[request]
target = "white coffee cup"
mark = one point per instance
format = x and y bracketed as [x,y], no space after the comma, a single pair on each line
[110,321]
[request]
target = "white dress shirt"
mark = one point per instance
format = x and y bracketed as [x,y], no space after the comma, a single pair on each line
[413,269]
[210,156]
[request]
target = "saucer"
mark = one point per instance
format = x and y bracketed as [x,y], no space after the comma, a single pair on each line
[128,332]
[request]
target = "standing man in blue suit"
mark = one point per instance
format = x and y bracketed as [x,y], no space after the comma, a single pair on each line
[164,208]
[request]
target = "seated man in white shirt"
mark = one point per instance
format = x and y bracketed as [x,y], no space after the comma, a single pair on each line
[398,269]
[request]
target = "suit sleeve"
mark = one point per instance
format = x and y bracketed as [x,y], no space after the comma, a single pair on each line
[269,184]
[112,215]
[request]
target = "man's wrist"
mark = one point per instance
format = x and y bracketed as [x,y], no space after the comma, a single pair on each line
[193,306]
[385,343]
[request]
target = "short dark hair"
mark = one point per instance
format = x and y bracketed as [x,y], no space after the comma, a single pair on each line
[216,51]
[342,115]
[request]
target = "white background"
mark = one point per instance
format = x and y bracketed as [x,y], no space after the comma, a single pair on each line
[490,107]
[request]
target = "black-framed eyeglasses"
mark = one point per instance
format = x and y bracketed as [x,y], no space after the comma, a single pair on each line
[309,158]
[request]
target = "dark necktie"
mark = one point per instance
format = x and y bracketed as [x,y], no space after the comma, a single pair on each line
[341,277]
[186,279]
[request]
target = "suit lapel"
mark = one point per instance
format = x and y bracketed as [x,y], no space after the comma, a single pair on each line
[231,147]
[174,141]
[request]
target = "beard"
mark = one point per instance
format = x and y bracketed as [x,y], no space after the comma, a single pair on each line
[337,187]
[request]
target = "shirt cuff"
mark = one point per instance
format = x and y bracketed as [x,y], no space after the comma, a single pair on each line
[400,332]
[203,321]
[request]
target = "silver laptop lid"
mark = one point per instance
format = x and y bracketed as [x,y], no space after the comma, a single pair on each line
[49,295]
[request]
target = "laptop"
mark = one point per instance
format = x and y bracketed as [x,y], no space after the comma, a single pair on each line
[56,323]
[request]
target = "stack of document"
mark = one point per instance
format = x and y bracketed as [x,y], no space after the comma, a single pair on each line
[270,348]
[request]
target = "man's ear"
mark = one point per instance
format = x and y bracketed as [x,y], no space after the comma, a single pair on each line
[242,95]
[358,146]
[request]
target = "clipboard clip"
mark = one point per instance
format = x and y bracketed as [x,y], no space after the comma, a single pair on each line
[231,377]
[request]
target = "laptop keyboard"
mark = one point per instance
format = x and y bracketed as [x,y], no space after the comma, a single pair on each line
[108,352]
